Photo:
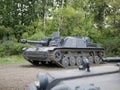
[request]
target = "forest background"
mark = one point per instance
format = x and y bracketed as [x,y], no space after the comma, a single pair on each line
[37,19]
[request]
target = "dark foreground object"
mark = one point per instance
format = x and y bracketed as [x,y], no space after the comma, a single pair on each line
[111,59]
[104,77]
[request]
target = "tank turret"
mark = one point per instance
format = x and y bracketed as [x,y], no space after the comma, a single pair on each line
[63,51]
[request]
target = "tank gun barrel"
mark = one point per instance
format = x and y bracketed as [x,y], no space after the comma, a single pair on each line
[111,59]
[33,42]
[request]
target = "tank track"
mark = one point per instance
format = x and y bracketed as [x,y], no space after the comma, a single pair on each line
[67,57]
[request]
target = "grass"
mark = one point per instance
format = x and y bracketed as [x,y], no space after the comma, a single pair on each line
[12,59]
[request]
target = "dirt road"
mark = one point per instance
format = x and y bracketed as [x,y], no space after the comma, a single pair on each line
[18,76]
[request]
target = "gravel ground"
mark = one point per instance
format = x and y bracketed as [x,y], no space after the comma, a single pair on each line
[18,76]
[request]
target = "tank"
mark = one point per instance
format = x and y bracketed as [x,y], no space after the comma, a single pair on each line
[100,77]
[63,51]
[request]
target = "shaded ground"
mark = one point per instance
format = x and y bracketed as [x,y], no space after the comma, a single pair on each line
[18,76]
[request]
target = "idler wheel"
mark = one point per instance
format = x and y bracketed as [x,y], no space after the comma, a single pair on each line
[78,60]
[72,61]
[57,55]
[65,61]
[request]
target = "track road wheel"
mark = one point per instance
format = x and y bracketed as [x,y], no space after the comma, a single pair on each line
[57,55]
[78,61]
[91,59]
[97,60]
[65,61]
[72,61]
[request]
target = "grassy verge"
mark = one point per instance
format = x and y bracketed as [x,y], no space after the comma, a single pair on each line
[12,59]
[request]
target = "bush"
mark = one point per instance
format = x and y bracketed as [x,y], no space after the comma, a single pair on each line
[2,53]
[37,36]
[6,48]
[11,48]
[18,48]
[111,46]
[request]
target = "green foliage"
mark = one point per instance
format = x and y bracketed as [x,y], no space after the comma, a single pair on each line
[112,46]
[66,20]
[18,30]
[5,32]
[17,48]
[36,19]
[6,48]
[34,31]
[11,48]
[95,35]
[37,36]
[2,31]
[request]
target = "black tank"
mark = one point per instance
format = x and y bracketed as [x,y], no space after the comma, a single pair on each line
[63,51]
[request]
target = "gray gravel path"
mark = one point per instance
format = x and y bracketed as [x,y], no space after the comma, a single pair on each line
[18,76]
